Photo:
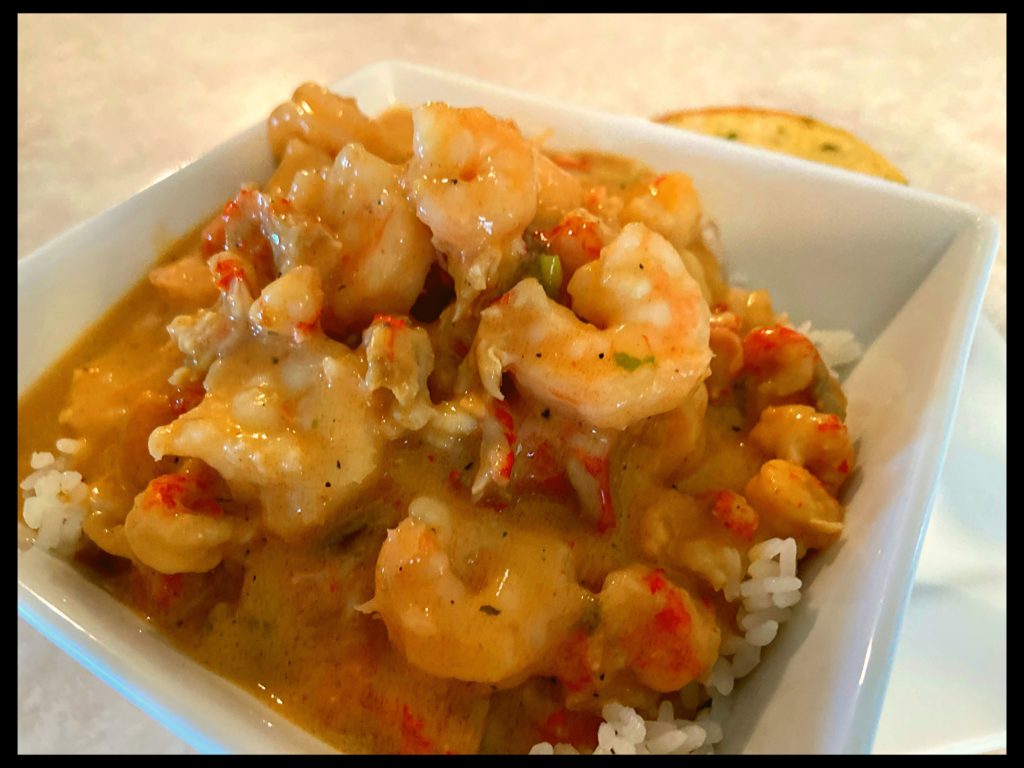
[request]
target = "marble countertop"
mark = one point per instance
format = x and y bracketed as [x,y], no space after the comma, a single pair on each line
[108,104]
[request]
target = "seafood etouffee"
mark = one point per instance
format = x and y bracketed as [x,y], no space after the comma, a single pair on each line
[444,440]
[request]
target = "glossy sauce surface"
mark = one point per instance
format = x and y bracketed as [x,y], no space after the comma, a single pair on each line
[287,612]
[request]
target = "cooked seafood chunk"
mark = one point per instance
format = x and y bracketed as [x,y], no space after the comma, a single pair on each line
[641,348]
[286,425]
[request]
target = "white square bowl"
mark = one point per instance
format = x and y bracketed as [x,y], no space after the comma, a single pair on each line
[903,269]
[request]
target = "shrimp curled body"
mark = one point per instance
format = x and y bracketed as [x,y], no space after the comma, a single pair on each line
[473,181]
[473,615]
[644,347]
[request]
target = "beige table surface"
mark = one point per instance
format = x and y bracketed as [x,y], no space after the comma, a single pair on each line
[108,104]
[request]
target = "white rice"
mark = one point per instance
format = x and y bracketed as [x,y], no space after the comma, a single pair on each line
[837,348]
[55,498]
[770,589]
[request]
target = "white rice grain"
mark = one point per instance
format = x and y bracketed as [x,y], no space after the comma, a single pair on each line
[787,558]
[786,599]
[761,569]
[41,459]
[759,602]
[769,585]
[32,512]
[667,743]
[745,660]
[68,446]
[722,676]
[750,621]
[766,550]
[763,634]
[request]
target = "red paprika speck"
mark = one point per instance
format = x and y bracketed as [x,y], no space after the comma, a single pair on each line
[228,270]
[207,507]
[505,470]
[725,511]
[598,468]
[844,466]
[214,237]
[413,740]
[454,479]
[505,419]
[831,424]
[166,489]
[397,323]
[656,581]
[573,661]
[674,615]
[187,398]
[583,231]
[307,327]
[759,346]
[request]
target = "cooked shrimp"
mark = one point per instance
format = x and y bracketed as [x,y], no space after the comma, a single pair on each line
[558,191]
[664,636]
[685,531]
[349,220]
[643,350]
[298,156]
[353,222]
[577,239]
[753,308]
[185,281]
[727,347]
[671,444]
[474,183]
[287,424]
[669,205]
[330,122]
[784,367]
[816,441]
[289,306]
[400,359]
[460,595]
[205,334]
[176,526]
[793,502]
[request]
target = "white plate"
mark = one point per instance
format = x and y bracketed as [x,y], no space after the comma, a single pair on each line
[947,693]
[903,269]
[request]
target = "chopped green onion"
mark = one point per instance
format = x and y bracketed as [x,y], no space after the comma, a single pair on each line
[550,267]
[631,363]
